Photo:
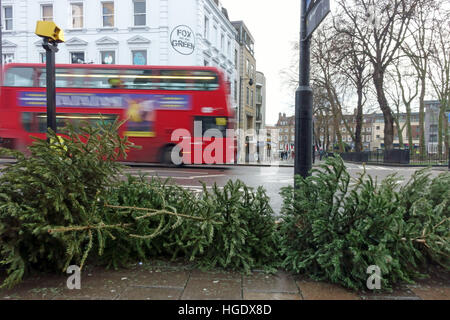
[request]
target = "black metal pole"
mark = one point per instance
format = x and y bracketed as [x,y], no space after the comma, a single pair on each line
[303,105]
[50,49]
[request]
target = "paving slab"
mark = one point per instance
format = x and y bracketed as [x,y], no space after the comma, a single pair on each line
[158,277]
[148,293]
[215,275]
[399,292]
[280,282]
[203,289]
[311,290]
[432,293]
[271,296]
[44,287]
[107,285]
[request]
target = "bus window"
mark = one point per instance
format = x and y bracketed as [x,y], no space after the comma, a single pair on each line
[35,122]
[139,79]
[19,77]
[219,123]
[62,76]
[170,80]
[80,78]
[101,78]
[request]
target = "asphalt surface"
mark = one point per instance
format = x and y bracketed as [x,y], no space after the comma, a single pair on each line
[272,178]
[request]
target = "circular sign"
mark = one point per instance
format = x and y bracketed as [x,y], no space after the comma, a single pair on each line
[182,40]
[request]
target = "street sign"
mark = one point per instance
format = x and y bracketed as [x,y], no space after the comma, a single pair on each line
[316,15]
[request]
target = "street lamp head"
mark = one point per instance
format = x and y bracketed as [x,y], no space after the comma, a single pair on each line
[250,82]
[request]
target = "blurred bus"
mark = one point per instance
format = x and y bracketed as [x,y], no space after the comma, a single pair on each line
[155,100]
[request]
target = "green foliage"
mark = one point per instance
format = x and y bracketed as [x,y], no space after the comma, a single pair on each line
[167,228]
[63,205]
[334,228]
[229,228]
[57,186]
[246,237]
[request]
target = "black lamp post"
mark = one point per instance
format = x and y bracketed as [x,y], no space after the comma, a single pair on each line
[303,104]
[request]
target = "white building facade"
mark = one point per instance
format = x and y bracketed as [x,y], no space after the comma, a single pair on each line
[127,32]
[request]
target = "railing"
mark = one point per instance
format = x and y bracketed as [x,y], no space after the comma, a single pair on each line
[397,156]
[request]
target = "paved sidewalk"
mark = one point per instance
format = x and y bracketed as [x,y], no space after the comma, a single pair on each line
[179,282]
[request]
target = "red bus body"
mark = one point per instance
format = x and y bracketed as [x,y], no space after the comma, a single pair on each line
[155,101]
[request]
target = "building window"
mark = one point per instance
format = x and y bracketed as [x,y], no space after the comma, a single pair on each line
[229,48]
[139,13]
[206,31]
[77,15]
[77,57]
[47,12]
[248,67]
[42,57]
[139,57]
[108,14]
[8,18]
[108,57]
[235,90]
[222,43]
[248,96]
[235,58]
[8,58]
[215,36]
[252,100]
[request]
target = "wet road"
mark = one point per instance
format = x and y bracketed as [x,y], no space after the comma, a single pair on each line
[271,178]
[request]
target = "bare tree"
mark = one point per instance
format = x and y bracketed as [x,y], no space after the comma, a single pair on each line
[380,27]
[353,63]
[325,76]
[418,48]
[439,72]
[409,89]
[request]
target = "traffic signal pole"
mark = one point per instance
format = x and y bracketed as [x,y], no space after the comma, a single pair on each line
[303,104]
[51,49]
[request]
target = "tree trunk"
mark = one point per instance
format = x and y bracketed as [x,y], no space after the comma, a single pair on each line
[422,146]
[409,128]
[359,119]
[399,133]
[378,79]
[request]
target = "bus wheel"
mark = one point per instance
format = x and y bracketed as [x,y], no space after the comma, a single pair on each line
[166,156]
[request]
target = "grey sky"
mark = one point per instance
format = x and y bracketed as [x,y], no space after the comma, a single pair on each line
[275,26]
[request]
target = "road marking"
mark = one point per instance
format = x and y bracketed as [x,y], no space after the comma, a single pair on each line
[185,178]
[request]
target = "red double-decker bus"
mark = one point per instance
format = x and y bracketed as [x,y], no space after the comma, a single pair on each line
[158,103]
